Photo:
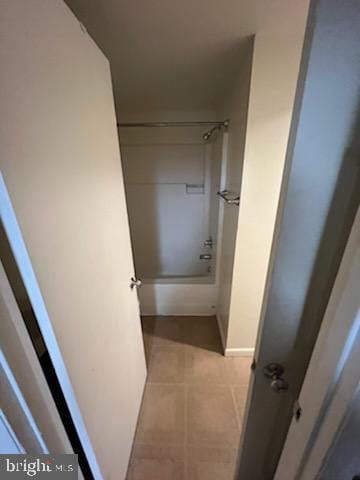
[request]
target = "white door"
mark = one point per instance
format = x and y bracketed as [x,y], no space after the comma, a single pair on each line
[318,205]
[63,209]
[330,396]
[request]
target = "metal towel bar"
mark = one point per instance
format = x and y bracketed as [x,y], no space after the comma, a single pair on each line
[231,200]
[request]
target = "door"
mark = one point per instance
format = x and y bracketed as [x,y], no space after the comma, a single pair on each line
[64,212]
[318,204]
[323,440]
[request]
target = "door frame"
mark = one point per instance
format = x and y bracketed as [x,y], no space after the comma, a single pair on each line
[224,161]
[333,369]
[17,244]
[19,409]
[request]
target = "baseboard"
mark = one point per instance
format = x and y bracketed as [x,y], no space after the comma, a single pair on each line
[239,352]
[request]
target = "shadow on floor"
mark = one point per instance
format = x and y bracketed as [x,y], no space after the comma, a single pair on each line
[181,330]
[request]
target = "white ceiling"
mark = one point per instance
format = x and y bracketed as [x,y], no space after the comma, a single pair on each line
[171,55]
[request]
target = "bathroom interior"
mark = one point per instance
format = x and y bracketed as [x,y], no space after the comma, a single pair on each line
[172,181]
[182,176]
[177,193]
[182,183]
[195,181]
[189,96]
[202,99]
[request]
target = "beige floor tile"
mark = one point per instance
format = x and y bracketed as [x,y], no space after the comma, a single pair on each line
[240,394]
[185,356]
[211,416]
[162,415]
[167,364]
[238,370]
[148,324]
[170,330]
[150,462]
[205,366]
[211,463]
[204,331]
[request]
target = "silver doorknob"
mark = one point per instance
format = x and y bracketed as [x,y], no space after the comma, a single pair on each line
[274,371]
[135,282]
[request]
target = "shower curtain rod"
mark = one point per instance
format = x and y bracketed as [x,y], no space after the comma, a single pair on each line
[225,124]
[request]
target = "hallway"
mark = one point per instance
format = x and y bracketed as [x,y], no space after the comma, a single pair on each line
[190,421]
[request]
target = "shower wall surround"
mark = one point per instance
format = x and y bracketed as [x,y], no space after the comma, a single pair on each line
[171,197]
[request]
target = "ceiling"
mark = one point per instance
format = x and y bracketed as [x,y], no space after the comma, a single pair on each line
[168,55]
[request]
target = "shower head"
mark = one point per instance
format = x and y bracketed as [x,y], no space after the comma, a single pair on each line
[207,135]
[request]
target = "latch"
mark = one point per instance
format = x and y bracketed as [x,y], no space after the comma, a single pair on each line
[297,410]
[209,242]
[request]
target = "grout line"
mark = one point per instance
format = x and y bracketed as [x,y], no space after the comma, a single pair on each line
[158,444]
[170,384]
[196,383]
[237,414]
[195,445]
[188,383]
[186,399]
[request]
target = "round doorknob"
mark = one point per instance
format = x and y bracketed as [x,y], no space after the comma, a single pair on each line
[273,370]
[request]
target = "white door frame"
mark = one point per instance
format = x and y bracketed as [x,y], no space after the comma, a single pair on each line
[13,401]
[333,376]
[16,241]
[220,235]
[19,362]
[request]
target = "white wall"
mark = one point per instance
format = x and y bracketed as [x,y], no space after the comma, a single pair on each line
[169,225]
[60,161]
[170,190]
[275,68]
[232,152]
[274,72]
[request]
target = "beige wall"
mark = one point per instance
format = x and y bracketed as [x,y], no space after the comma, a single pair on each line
[234,108]
[61,165]
[275,67]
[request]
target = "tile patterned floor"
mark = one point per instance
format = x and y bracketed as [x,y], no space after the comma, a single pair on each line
[191,415]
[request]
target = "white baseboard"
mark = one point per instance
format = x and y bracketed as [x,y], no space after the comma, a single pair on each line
[239,352]
[232,352]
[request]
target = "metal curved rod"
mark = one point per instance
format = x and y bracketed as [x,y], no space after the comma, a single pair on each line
[230,201]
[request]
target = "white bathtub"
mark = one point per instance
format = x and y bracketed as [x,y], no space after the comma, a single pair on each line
[178,296]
